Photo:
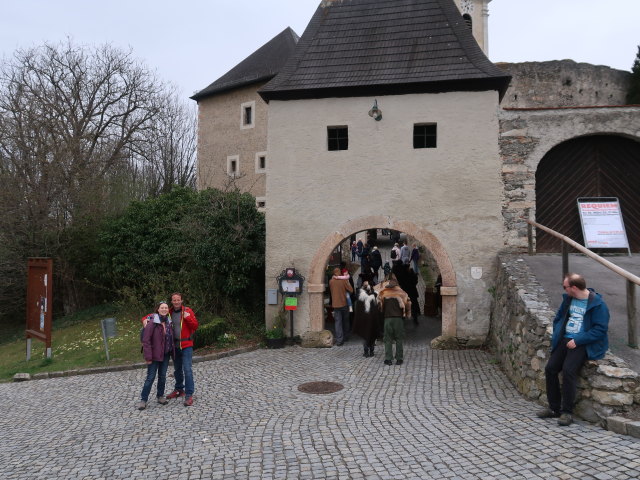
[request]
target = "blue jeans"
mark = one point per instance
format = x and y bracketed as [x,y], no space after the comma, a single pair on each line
[159,367]
[341,319]
[183,365]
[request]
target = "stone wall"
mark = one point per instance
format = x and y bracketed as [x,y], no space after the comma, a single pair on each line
[563,83]
[520,335]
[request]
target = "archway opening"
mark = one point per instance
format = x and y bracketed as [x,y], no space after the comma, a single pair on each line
[372,258]
[381,228]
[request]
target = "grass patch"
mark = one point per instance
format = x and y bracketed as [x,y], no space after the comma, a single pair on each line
[77,342]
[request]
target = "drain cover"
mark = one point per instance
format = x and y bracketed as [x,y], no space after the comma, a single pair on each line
[320,387]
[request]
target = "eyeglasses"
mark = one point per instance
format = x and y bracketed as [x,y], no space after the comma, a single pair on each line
[566,286]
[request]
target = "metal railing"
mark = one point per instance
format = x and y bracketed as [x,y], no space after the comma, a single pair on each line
[631,279]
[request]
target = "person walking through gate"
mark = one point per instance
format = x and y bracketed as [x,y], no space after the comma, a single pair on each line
[339,290]
[579,333]
[395,305]
[376,263]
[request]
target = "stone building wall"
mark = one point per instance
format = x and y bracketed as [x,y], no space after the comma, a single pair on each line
[564,83]
[451,193]
[520,335]
[220,135]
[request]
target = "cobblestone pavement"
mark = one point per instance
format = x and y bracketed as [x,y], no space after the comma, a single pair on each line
[441,415]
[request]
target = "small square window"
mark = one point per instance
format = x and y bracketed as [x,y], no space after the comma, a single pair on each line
[233,168]
[261,203]
[425,135]
[338,138]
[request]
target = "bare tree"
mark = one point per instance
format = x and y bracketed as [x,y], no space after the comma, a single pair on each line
[167,155]
[69,119]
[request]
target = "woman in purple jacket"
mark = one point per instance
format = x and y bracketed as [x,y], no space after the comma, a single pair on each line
[157,347]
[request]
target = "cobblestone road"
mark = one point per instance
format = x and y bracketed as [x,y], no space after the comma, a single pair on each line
[441,415]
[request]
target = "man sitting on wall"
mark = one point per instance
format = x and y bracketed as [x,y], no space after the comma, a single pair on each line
[579,332]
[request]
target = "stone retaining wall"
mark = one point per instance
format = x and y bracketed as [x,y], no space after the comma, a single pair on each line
[520,335]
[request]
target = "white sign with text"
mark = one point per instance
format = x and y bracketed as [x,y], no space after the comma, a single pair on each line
[602,224]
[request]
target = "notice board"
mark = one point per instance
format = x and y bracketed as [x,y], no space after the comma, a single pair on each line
[602,224]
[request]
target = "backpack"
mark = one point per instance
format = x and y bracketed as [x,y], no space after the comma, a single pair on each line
[394,254]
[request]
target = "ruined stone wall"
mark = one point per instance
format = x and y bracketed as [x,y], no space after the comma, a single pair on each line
[520,335]
[563,83]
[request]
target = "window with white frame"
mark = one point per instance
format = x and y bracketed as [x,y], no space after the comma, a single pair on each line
[261,162]
[261,203]
[233,165]
[247,114]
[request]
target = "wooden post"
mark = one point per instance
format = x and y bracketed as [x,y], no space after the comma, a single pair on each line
[631,314]
[565,259]
[529,232]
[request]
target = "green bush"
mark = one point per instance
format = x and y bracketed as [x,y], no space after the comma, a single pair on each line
[209,333]
[208,245]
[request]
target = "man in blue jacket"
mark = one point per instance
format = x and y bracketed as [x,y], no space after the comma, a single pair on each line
[579,333]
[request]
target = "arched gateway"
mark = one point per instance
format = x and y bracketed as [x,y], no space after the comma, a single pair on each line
[315,280]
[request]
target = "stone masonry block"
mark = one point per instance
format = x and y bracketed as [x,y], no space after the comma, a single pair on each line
[617,424]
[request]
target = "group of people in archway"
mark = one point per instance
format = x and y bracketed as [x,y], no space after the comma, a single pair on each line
[380,307]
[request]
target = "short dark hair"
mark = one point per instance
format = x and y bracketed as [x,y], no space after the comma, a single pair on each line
[176,293]
[576,280]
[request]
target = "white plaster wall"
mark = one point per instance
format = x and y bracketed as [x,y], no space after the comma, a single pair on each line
[453,191]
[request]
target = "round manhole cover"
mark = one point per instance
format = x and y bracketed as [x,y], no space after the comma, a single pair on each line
[320,387]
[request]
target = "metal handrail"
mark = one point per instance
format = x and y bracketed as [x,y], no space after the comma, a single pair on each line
[632,280]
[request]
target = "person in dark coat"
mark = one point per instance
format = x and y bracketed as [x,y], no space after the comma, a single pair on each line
[157,347]
[376,263]
[367,321]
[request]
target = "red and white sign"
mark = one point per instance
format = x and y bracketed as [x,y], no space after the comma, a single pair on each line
[602,224]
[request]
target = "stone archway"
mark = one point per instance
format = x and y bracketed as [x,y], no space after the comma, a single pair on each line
[315,286]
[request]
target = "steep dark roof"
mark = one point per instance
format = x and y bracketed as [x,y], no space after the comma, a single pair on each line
[364,47]
[261,65]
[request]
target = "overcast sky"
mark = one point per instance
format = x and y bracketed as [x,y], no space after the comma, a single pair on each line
[193,42]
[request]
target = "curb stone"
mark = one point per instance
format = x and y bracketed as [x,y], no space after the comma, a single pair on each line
[22,377]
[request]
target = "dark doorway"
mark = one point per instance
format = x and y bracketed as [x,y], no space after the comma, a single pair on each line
[594,166]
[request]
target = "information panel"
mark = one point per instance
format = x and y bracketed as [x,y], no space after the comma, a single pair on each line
[602,224]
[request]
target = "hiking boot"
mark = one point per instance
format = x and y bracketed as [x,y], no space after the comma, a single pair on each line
[176,394]
[162,400]
[565,420]
[399,362]
[388,362]
[188,401]
[142,405]
[548,413]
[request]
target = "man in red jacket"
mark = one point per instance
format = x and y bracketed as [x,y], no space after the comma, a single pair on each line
[185,324]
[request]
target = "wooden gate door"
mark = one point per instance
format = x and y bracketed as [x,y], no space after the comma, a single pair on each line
[594,166]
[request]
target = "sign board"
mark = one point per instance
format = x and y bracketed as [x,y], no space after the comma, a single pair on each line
[291,303]
[290,282]
[602,224]
[39,302]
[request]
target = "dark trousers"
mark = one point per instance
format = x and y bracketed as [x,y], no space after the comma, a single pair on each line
[569,362]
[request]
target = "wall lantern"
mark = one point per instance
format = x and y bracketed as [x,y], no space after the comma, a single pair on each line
[375,112]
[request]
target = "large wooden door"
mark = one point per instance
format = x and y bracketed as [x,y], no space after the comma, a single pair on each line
[594,166]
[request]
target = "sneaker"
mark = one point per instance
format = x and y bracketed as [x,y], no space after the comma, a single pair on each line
[398,362]
[388,362]
[176,394]
[565,420]
[188,401]
[548,413]
[142,405]
[162,400]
